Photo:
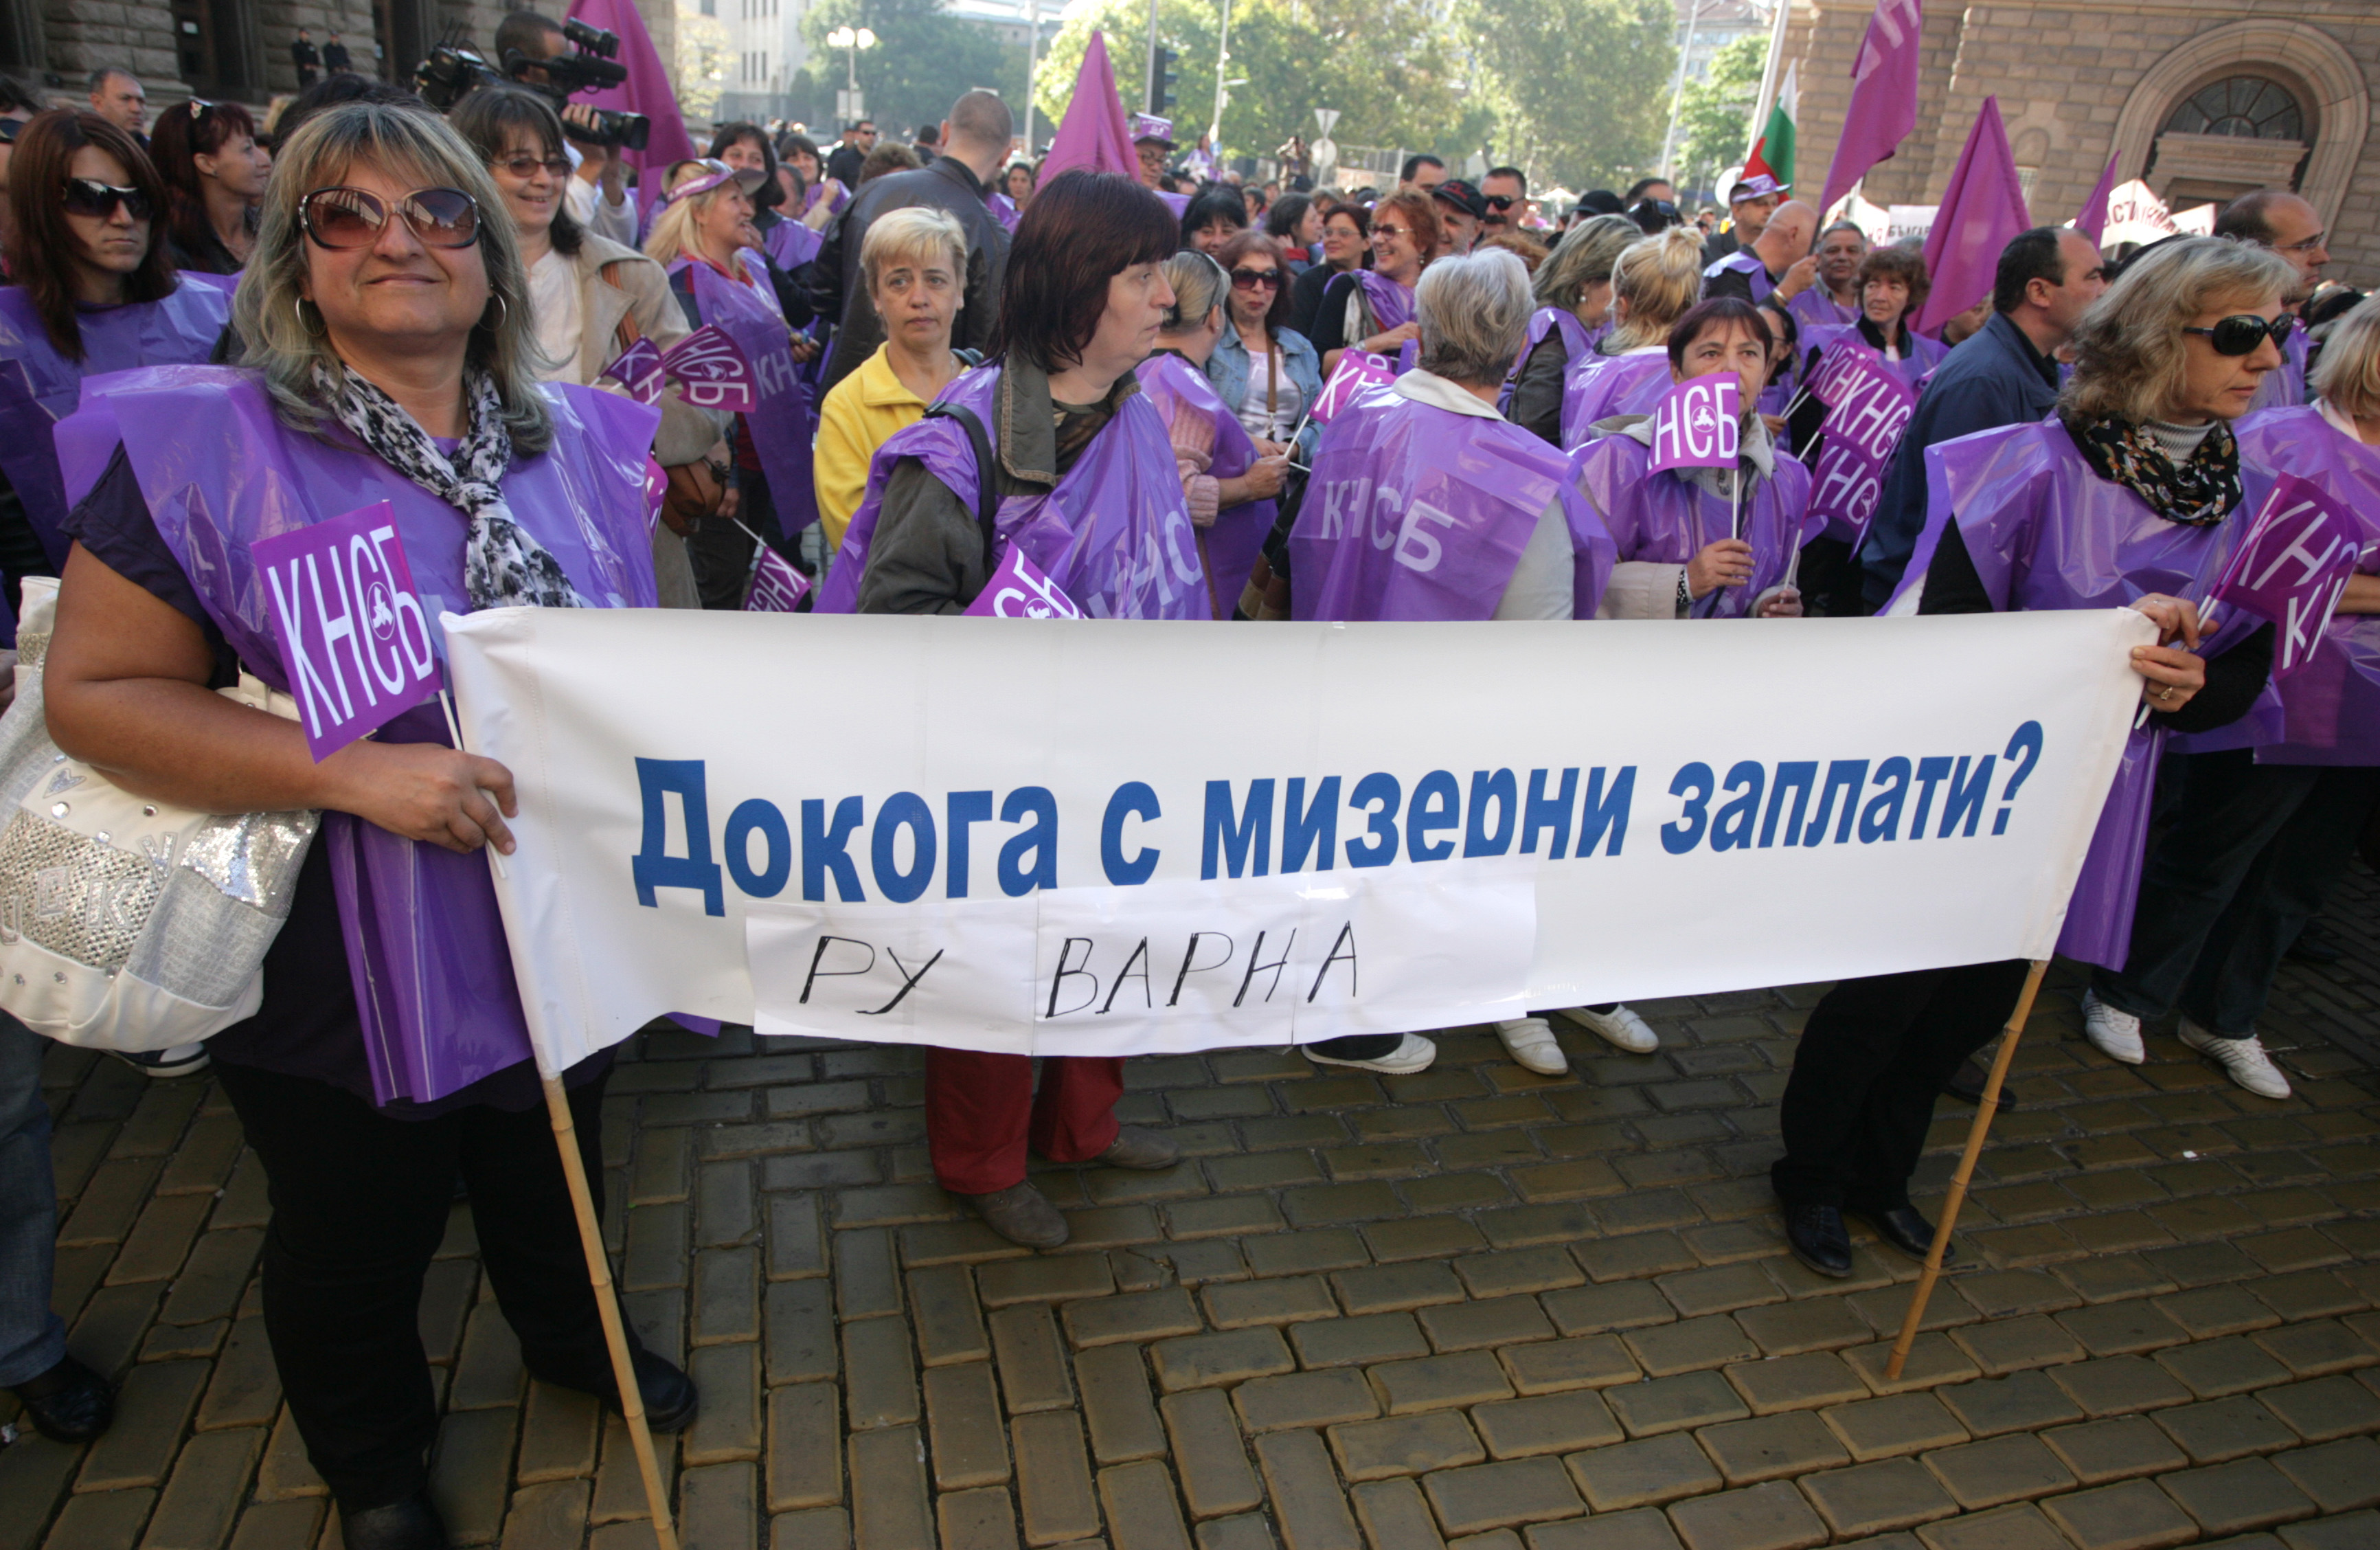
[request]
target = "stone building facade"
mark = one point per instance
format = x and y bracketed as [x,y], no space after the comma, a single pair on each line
[2204,99]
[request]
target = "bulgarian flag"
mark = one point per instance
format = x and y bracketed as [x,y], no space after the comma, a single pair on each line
[1773,152]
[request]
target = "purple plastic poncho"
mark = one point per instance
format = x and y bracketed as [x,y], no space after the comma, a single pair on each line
[1913,368]
[39,386]
[1391,304]
[1667,518]
[791,244]
[1598,387]
[433,980]
[1228,550]
[2330,707]
[1577,339]
[1416,512]
[1116,533]
[1814,308]
[784,423]
[1004,210]
[2286,388]
[1743,261]
[2044,532]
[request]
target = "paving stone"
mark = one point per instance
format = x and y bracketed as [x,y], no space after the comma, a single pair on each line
[468,1466]
[2110,1277]
[1231,1356]
[2325,1408]
[1986,1474]
[970,1445]
[805,1447]
[105,1521]
[2020,1527]
[1116,1407]
[981,1519]
[1876,1498]
[2122,1328]
[2100,1451]
[1305,1400]
[1646,1527]
[2235,1497]
[1602,1309]
[1771,1516]
[1897,1425]
[1816,1323]
[204,1493]
[1208,1454]
[1132,1316]
[949,1323]
[1518,1271]
[1501,1321]
[1933,1360]
[2009,1294]
[1718,1290]
[2134,1515]
[2224,1429]
[1308,1507]
[2352,1533]
[1550,1423]
[1634,1256]
[1657,1405]
[1044,1278]
[1434,1382]
[1393,1515]
[1245,1531]
[2212,1369]
[880,1382]
[1294,1301]
[1053,1478]
[1404,1445]
[1646,1473]
[1486,1497]
[1590,1362]
[559,1435]
[2001,1346]
[888,1496]
[1433,1236]
[1032,1365]
[2339,1477]
[1794,1383]
[798,1333]
[1690,1346]
[1389,1289]
[153,1405]
[1884,1308]
[1358,1342]
[1772,1447]
[2316,1348]
[245,1389]
[2027,1401]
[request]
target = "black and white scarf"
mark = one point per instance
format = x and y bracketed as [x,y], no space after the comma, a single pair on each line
[503,566]
[2197,493]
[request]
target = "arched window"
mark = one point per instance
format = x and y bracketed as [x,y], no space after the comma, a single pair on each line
[2251,107]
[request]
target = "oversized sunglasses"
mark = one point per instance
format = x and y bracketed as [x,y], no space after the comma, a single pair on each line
[1249,279]
[1500,202]
[8,127]
[526,167]
[2241,334]
[343,218]
[89,196]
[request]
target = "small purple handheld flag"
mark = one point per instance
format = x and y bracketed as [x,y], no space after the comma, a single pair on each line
[1019,589]
[777,587]
[1357,370]
[355,640]
[639,369]
[713,371]
[2292,568]
[1694,425]
[1869,410]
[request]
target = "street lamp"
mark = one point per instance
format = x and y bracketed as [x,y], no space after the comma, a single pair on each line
[846,37]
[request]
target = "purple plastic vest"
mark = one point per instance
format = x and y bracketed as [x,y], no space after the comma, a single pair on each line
[1391,304]
[1415,512]
[1666,518]
[1577,339]
[2286,388]
[1228,550]
[1598,387]
[1814,308]
[1743,261]
[1913,368]
[40,387]
[1116,533]
[433,980]
[2044,532]
[784,425]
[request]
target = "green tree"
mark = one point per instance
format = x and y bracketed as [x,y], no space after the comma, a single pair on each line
[703,48]
[1714,116]
[924,58]
[1577,85]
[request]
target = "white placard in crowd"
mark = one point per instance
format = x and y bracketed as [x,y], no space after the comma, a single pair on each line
[1697,811]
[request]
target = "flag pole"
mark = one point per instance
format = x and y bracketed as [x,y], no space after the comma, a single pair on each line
[607,1304]
[1990,1104]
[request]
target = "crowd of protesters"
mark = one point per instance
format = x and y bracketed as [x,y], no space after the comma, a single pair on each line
[963,354]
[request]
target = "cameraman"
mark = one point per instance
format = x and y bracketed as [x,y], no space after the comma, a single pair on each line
[597,192]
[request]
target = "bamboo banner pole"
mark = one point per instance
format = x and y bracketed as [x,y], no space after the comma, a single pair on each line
[1951,1203]
[607,1304]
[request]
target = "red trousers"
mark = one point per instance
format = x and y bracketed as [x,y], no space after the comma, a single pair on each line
[981,1113]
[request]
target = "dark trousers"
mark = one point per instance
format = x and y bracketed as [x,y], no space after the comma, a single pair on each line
[359,1202]
[982,1113]
[2252,851]
[1872,1056]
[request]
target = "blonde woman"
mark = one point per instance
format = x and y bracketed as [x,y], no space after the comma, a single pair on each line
[1574,316]
[1654,282]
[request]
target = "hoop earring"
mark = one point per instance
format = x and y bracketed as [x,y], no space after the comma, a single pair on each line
[298,305]
[503,311]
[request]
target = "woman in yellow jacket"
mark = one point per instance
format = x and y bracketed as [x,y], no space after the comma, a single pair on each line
[914,263]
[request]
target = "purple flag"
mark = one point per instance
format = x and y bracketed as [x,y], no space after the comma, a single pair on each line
[1864,425]
[713,371]
[1835,371]
[656,492]
[1018,589]
[2293,567]
[2093,217]
[1093,135]
[777,587]
[647,89]
[1884,96]
[639,369]
[1357,370]
[354,640]
[1982,212]
[1694,425]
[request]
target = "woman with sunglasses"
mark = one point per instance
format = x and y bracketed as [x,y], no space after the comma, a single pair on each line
[705,239]
[389,357]
[214,174]
[1266,371]
[590,299]
[2261,834]
[1345,244]
[94,291]
[1229,478]
[1654,282]
[1574,316]
[2129,496]
[1372,309]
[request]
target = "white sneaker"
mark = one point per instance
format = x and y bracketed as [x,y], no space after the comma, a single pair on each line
[2244,1058]
[1618,1027]
[1414,1053]
[1531,1042]
[182,1060]
[2116,1033]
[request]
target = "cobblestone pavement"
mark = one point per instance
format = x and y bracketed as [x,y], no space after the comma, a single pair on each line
[1472,1308]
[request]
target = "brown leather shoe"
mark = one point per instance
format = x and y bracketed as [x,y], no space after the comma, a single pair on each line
[1021,1213]
[1137,1148]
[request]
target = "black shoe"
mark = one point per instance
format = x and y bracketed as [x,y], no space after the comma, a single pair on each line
[1816,1235]
[1967,1083]
[69,1403]
[669,1395]
[2314,945]
[411,1524]
[1910,1233]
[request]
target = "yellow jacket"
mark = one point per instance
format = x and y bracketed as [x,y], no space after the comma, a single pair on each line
[860,414]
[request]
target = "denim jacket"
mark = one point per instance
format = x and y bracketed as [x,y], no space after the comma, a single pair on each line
[1227,369]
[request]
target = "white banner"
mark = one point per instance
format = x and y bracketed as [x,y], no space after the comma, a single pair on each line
[1118,837]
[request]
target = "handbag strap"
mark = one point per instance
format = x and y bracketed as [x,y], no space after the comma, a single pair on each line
[627,332]
[987,502]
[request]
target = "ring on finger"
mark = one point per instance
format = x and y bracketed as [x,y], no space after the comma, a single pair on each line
[2164,694]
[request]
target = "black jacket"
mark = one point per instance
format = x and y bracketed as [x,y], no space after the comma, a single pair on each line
[837,289]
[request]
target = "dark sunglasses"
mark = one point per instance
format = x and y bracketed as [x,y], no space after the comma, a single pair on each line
[344,218]
[89,196]
[8,127]
[1249,279]
[2241,334]
[1500,202]
[525,168]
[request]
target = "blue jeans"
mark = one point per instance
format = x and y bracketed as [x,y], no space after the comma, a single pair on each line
[32,1339]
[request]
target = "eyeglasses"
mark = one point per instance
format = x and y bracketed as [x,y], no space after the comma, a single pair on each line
[1500,202]
[8,127]
[1379,231]
[525,168]
[343,218]
[1250,279]
[2241,334]
[89,196]
[2309,245]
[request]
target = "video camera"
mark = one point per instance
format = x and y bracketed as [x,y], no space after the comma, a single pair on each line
[454,69]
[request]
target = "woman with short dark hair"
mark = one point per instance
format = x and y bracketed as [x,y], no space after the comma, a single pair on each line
[819,198]
[1346,244]
[1215,215]
[1373,309]
[214,176]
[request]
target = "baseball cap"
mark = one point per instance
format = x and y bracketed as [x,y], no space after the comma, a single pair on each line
[1462,196]
[1147,126]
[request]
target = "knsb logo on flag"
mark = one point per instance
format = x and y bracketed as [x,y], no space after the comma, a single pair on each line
[1864,425]
[1835,370]
[777,587]
[639,369]
[1694,425]
[1019,589]
[1357,370]
[713,372]
[656,492]
[2292,568]
[355,640]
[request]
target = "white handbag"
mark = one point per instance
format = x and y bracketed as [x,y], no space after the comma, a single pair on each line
[127,923]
